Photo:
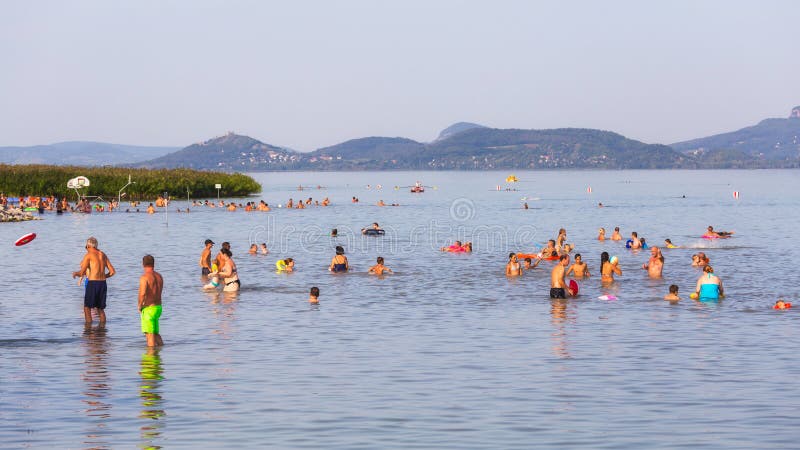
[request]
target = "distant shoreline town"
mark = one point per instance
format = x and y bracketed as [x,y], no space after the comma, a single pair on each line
[772,143]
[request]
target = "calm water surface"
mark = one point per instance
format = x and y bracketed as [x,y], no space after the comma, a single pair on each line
[445,353]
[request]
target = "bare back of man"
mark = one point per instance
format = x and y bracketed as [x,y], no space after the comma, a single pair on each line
[150,286]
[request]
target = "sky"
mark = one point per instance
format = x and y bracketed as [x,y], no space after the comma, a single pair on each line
[308,74]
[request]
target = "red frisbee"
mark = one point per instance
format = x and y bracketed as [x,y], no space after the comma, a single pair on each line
[25,239]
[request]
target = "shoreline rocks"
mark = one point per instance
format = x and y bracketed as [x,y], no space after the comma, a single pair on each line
[15,215]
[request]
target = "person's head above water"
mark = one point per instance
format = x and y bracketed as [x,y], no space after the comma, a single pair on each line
[91,242]
[148,261]
[339,250]
[673,289]
[708,269]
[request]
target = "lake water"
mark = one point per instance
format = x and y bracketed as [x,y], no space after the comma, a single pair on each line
[445,353]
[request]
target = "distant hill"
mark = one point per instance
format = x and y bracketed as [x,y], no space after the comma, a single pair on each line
[372,153]
[457,128]
[767,143]
[475,148]
[81,154]
[480,148]
[579,148]
[231,152]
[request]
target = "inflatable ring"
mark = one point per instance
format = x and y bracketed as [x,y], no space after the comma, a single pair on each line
[373,232]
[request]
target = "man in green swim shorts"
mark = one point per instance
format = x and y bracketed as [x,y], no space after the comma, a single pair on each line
[150,285]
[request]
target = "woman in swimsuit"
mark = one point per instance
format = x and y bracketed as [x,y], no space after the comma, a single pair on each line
[513,267]
[228,273]
[608,268]
[339,262]
[709,286]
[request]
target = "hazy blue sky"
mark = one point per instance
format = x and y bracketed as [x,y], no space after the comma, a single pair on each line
[309,74]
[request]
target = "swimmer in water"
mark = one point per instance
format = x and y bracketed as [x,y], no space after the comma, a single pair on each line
[709,286]
[456,247]
[608,267]
[379,268]
[668,243]
[673,293]
[339,262]
[655,265]
[601,234]
[228,272]
[579,269]
[615,236]
[381,203]
[513,268]
[264,250]
[720,234]
[527,264]
[780,304]
[285,265]
[548,251]
[253,249]
[558,284]
[561,238]
[313,296]
[635,242]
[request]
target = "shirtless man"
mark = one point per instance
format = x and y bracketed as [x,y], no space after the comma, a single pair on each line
[205,258]
[379,268]
[150,286]
[616,236]
[655,264]
[513,268]
[93,266]
[548,251]
[558,286]
[579,269]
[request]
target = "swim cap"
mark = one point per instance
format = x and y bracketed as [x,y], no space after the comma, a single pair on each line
[613,259]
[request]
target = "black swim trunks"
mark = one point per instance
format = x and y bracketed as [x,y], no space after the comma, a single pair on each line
[95,296]
[558,293]
[206,271]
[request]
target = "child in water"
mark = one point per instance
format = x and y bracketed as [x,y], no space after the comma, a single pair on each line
[780,304]
[313,296]
[379,268]
[668,243]
[578,268]
[673,293]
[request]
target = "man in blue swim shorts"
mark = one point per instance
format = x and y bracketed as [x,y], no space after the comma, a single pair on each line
[150,285]
[93,266]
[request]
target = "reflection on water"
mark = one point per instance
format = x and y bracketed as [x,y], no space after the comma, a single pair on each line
[152,400]
[560,318]
[98,386]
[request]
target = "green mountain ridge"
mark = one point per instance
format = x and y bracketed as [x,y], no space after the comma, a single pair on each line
[770,141]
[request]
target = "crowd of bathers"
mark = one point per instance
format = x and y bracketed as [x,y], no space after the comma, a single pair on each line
[708,287]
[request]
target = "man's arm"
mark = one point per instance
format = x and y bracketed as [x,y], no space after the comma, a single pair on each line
[84,267]
[142,292]
[111,270]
